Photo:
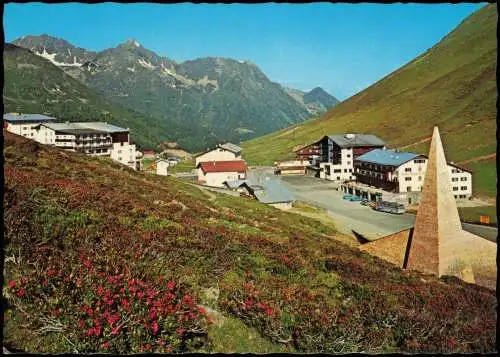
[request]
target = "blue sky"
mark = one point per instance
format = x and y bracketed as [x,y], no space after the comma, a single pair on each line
[341,47]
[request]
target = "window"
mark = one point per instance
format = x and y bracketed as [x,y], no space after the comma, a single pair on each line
[455,188]
[463,188]
[420,178]
[463,178]
[338,177]
[408,188]
[350,170]
[453,179]
[336,171]
[25,128]
[119,151]
[407,169]
[348,162]
[348,155]
[407,178]
[345,170]
[419,161]
[455,196]
[119,159]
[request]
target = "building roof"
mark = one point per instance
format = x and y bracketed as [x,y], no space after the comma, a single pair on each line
[273,192]
[461,167]
[12,117]
[357,140]
[391,157]
[231,147]
[82,127]
[98,125]
[223,166]
[387,157]
[305,146]
[227,146]
[236,183]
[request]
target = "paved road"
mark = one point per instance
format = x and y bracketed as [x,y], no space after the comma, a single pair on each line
[351,216]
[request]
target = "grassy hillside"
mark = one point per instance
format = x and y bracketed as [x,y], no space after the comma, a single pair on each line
[452,85]
[34,85]
[102,258]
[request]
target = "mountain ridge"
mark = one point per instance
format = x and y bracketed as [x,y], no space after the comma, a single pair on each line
[218,98]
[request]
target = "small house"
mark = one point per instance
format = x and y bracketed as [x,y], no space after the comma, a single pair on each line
[162,167]
[215,173]
[296,167]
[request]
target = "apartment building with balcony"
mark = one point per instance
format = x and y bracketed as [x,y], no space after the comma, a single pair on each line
[91,138]
[404,172]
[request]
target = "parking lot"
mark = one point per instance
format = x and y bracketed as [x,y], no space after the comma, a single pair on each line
[351,216]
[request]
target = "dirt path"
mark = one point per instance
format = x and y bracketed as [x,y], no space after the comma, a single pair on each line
[479,158]
[416,143]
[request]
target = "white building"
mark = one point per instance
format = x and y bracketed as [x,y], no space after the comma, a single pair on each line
[24,124]
[404,172]
[162,167]
[338,152]
[215,173]
[222,152]
[91,138]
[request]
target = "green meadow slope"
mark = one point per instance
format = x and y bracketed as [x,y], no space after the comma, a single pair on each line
[99,258]
[452,85]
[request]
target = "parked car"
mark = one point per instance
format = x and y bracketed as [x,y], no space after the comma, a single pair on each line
[352,198]
[390,207]
[365,202]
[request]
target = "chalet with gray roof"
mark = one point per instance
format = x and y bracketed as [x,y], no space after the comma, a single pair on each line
[221,152]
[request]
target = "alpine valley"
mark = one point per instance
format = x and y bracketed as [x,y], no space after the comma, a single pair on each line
[195,103]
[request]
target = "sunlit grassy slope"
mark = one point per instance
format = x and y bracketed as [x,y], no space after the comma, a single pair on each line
[99,258]
[452,85]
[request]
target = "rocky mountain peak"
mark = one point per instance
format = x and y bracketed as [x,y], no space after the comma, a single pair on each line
[131,43]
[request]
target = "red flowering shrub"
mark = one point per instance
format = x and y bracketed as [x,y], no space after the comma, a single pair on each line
[117,313]
[94,263]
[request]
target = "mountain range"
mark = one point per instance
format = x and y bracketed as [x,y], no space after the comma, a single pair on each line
[452,84]
[196,103]
[317,101]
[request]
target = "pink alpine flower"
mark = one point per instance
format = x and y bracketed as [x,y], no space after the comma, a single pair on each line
[154,327]
[179,331]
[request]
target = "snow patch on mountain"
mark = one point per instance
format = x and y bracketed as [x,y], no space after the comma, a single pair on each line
[51,58]
[146,64]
